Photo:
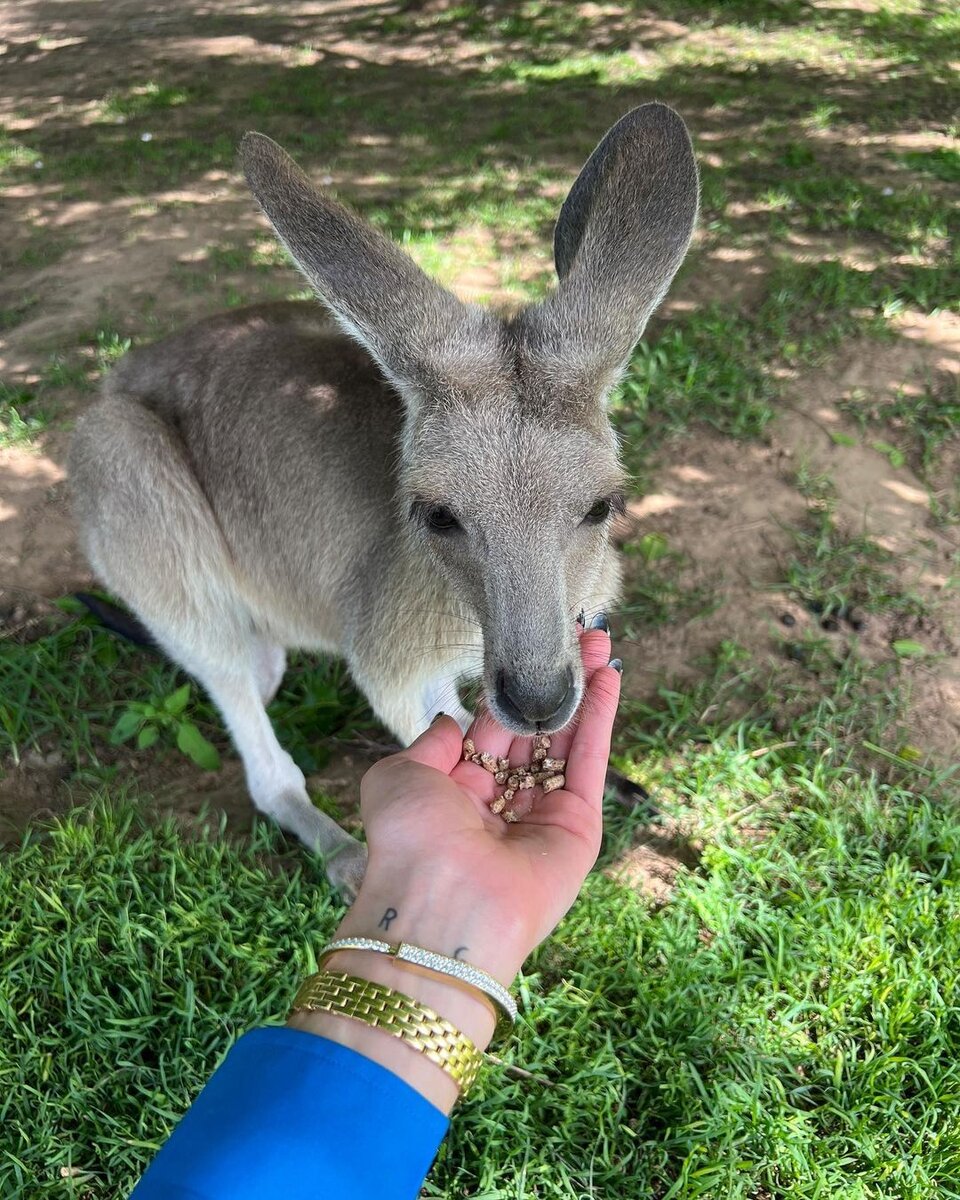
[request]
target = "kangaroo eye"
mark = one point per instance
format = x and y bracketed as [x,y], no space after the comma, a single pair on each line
[439,519]
[599,512]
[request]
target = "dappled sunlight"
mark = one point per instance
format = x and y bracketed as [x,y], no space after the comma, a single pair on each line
[906,492]
[654,504]
[688,473]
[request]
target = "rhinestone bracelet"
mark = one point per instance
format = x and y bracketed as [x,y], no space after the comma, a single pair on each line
[440,963]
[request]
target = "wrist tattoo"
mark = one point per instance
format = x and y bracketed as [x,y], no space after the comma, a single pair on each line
[389,915]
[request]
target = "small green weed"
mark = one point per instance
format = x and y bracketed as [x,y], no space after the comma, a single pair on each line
[84,692]
[65,690]
[110,347]
[169,716]
[21,421]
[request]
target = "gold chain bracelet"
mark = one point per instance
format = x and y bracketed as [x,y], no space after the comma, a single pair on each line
[399,1015]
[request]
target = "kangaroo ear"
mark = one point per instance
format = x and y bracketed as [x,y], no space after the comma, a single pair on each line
[409,323]
[621,236]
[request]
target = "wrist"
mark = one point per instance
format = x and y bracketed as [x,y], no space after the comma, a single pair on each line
[439,913]
[442,913]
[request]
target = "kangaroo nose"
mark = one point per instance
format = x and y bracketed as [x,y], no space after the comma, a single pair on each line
[539,704]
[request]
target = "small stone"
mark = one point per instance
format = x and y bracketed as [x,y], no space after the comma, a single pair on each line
[488,762]
[499,804]
[501,777]
[503,764]
[539,754]
[554,764]
[510,816]
[509,794]
[526,781]
[554,782]
[469,749]
[542,740]
[513,781]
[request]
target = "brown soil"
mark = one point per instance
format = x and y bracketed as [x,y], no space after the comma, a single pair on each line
[724,507]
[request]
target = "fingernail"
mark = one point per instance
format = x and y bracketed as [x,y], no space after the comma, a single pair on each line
[600,622]
[617,665]
[437,718]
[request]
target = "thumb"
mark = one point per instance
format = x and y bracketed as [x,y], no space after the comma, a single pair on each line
[439,746]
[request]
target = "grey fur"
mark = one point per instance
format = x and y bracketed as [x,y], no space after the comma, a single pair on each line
[255,484]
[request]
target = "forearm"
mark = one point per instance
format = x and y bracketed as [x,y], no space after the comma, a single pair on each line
[364,1116]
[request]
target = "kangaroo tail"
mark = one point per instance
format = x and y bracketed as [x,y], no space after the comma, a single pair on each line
[117,620]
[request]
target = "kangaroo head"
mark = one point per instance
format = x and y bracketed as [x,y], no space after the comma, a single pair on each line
[509,470]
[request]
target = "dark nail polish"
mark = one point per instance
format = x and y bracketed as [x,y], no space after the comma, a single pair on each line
[600,622]
[617,665]
[437,718]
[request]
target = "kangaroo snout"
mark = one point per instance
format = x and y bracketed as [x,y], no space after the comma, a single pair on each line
[541,705]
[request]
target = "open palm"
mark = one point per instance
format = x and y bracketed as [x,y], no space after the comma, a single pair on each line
[425,810]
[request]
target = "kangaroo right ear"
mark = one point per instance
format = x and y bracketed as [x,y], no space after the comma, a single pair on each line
[410,324]
[621,236]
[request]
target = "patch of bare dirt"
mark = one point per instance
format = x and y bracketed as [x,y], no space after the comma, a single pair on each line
[729,510]
[660,853]
[32,792]
[38,545]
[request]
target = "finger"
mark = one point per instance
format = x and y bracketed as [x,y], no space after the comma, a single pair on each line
[439,746]
[595,653]
[590,750]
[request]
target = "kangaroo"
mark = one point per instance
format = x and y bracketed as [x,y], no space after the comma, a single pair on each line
[418,485]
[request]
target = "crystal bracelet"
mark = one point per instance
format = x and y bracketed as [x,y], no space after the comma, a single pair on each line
[442,965]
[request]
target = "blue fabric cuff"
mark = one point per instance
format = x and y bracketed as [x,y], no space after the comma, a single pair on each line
[292,1115]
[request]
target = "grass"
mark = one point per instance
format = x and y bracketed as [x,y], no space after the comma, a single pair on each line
[20,419]
[28,411]
[923,421]
[654,593]
[787,1025]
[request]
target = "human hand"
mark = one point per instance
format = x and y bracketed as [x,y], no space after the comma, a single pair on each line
[446,873]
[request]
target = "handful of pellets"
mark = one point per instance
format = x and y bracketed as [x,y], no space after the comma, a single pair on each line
[542,771]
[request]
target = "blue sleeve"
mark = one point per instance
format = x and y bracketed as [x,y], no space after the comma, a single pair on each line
[292,1115]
